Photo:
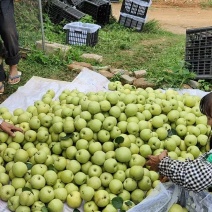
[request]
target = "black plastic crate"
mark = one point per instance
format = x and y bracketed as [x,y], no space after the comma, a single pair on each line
[59,11]
[130,21]
[199,37]
[100,10]
[73,14]
[73,2]
[69,2]
[202,67]
[82,34]
[54,9]
[198,52]
[136,8]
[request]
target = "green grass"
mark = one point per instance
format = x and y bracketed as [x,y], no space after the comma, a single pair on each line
[153,49]
[206,4]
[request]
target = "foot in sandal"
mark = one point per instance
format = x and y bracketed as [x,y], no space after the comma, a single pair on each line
[15,75]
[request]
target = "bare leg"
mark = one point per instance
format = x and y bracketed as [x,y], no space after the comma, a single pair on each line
[2,76]
[1,87]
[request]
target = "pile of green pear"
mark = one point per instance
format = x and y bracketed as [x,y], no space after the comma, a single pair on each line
[86,149]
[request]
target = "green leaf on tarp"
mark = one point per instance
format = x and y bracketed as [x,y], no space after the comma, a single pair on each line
[27,189]
[117,202]
[76,210]
[29,165]
[68,135]
[119,140]
[51,167]
[44,209]
[172,132]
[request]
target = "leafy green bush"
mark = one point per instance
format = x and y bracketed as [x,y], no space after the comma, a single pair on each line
[174,78]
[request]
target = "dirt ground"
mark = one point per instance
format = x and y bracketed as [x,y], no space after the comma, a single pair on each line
[175,19]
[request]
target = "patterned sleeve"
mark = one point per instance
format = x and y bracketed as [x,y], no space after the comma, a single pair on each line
[195,175]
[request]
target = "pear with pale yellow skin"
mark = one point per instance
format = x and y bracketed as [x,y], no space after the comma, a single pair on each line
[74,199]
[175,208]
[101,198]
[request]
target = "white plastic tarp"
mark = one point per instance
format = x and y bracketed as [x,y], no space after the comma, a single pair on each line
[86,81]
[166,194]
[36,87]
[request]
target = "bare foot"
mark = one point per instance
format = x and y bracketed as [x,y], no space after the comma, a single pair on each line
[1,88]
[14,75]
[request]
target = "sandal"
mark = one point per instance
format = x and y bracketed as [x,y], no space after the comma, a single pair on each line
[2,86]
[15,77]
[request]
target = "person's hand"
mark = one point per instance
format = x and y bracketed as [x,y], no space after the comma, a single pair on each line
[9,128]
[163,179]
[154,160]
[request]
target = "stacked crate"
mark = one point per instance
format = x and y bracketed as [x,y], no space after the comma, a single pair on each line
[133,13]
[198,54]
[59,11]
[74,10]
[100,10]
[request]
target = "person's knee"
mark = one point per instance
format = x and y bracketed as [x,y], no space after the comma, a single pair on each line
[8,30]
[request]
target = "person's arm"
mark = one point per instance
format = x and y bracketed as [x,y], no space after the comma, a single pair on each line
[174,170]
[9,128]
[193,175]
